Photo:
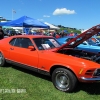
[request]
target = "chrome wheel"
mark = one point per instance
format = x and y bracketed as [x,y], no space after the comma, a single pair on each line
[62,80]
[1,59]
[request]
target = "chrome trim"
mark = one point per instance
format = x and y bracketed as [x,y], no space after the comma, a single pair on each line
[32,68]
[26,64]
[90,79]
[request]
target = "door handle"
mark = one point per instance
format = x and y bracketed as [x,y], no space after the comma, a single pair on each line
[11,48]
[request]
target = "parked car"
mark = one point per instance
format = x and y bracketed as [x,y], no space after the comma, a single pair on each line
[43,54]
[94,41]
[88,45]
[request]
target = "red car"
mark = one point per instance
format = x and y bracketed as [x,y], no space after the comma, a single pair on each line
[45,55]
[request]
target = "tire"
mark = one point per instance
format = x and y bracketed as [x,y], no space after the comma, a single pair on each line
[64,80]
[2,60]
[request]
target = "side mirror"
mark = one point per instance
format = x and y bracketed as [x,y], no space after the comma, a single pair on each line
[32,48]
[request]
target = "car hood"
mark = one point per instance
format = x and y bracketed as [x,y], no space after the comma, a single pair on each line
[81,38]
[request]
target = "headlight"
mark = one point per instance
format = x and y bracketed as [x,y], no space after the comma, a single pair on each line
[96,72]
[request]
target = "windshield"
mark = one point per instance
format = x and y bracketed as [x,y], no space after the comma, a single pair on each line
[92,41]
[68,39]
[46,43]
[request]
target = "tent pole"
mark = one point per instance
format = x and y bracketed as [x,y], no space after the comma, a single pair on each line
[23,30]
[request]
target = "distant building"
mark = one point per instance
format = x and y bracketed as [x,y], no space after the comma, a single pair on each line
[2,19]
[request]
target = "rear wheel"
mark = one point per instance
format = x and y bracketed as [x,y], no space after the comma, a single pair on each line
[64,80]
[2,60]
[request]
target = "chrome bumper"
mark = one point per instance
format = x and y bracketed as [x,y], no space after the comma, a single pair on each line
[90,79]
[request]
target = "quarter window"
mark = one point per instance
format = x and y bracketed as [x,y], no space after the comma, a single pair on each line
[21,42]
[12,41]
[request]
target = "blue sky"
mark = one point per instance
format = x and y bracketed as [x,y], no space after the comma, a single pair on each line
[80,14]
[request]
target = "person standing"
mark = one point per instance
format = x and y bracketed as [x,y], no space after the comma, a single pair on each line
[1,33]
[54,33]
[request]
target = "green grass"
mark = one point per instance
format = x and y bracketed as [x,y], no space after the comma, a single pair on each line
[71,30]
[40,87]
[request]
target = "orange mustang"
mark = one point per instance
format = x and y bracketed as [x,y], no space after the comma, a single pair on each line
[65,64]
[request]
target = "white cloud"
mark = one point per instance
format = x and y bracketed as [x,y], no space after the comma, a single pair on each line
[63,11]
[46,16]
[40,19]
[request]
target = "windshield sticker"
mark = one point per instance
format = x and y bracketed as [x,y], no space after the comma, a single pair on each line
[45,46]
[54,43]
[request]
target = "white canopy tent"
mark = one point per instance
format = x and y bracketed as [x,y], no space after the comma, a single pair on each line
[51,26]
[83,30]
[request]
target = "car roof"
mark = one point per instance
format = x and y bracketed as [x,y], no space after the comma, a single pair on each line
[68,37]
[65,38]
[31,36]
[25,36]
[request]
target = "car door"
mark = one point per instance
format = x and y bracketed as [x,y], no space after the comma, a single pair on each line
[19,52]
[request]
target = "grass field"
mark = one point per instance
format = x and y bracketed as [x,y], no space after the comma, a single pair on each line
[34,86]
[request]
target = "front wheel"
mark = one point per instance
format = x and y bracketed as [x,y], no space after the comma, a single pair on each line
[64,80]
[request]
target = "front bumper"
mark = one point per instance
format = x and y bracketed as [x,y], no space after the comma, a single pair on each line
[90,79]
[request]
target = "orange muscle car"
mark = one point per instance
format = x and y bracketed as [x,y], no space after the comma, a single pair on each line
[45,55]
